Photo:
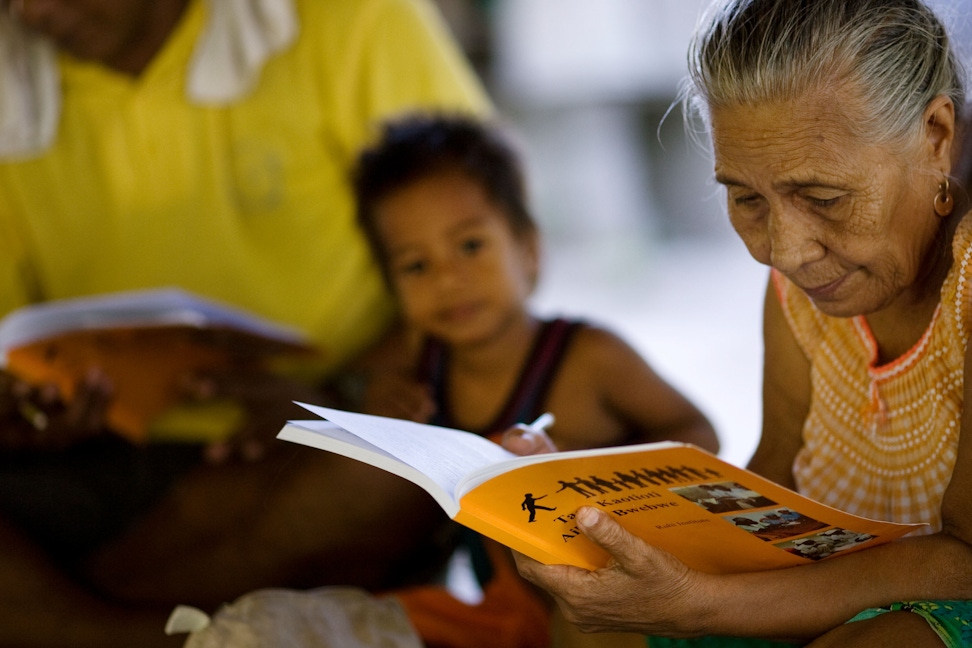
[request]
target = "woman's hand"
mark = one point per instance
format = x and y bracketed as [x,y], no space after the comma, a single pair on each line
[36,418]
[267,400]
[249,381]
[642,589]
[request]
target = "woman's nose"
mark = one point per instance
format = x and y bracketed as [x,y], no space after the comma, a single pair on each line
[792,241]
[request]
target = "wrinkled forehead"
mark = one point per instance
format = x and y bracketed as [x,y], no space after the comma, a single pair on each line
[803,128]
[813,130]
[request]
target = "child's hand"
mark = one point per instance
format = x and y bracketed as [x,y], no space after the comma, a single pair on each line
[394,394]
[524,440]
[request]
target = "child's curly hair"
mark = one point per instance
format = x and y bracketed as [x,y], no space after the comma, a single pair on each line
[418,146]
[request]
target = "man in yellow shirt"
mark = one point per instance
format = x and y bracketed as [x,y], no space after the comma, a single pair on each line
[202,144]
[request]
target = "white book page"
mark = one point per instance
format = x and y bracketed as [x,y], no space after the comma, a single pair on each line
[328,436]
[156,307]
[445,455]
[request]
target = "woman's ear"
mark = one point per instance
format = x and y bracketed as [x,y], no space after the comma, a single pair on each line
[939,119]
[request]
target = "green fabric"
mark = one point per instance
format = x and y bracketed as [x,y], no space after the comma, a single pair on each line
[716,642]
[951,620]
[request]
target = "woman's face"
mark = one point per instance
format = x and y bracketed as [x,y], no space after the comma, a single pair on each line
[849,222]
[117,33]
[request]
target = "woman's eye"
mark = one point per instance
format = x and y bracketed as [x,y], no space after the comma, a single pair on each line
[746,200]
[823,202]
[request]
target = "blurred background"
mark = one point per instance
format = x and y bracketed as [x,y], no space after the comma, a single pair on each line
[635,232]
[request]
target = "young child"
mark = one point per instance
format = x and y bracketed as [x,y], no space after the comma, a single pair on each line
[442,202]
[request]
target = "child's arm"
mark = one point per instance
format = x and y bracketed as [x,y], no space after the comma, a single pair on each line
[649,407]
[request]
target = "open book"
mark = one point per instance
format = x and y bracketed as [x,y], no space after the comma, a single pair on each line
[712,515]
[144,341]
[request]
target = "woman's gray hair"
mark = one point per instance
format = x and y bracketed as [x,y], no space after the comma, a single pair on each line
[896,52]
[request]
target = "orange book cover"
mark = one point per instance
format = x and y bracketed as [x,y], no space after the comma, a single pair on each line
[712,515]
[144,341]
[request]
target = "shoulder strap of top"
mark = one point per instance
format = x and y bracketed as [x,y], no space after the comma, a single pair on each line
[957,292]
[527,399]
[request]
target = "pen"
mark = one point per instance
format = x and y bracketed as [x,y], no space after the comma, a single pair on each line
[543,421]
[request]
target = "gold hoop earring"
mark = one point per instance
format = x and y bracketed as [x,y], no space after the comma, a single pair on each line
[943,200]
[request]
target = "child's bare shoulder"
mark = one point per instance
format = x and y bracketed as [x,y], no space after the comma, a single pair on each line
[597,365]
[595,345]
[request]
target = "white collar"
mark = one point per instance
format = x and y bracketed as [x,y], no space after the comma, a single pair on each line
[238,39]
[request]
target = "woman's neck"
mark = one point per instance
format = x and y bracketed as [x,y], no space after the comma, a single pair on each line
[900,326]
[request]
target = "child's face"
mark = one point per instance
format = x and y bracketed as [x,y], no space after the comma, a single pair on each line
[458,269]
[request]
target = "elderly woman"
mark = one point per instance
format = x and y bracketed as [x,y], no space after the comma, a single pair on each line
[833,125]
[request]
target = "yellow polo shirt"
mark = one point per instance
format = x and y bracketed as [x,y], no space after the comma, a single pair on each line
[247,203]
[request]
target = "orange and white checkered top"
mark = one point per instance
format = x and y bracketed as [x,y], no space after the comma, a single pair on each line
[880,440]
